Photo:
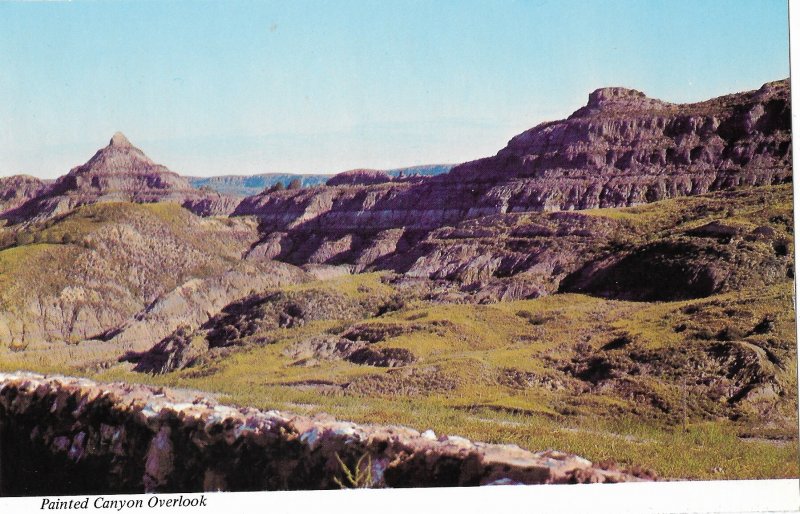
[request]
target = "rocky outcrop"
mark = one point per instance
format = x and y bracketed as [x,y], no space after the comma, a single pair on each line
[210,203]
[678,269]
[18,189]
[61,435]
[118,172]
[359,177]
[243,322]
[622,149]
[194,302]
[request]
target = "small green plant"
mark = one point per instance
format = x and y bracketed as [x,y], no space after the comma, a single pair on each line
[533,318]
[24,238]
[360,477]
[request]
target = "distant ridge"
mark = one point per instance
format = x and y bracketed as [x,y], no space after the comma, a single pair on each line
[621,149]
[248,185]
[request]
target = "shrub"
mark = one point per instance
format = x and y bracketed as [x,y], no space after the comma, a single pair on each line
[765,326]
[730,333]
[691,309]
[533,319]
[24,238]
[393,304]
[704,334]
[618,342]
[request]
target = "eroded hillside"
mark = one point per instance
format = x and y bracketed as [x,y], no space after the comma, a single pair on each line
[622,149]
[617,285]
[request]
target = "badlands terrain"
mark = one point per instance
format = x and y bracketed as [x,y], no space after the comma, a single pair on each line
[618,285]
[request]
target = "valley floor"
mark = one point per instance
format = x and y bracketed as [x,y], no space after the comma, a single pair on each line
[636,383]
[704,387]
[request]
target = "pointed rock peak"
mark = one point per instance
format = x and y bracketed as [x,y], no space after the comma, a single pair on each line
[119,140]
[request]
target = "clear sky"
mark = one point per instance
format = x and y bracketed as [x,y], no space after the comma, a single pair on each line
[323,86]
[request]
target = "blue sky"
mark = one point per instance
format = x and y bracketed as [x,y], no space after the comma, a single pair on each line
[253,87]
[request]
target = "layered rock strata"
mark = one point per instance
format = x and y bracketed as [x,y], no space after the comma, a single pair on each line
[118,172]
[621,149]
[18,189]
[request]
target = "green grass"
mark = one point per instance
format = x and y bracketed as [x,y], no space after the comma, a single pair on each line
[476,344]
[597,426]
[470,346]
[510,372]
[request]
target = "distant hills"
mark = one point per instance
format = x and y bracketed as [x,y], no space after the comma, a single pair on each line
[248,185]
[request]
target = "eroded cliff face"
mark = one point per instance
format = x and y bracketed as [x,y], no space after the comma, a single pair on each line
[652,252]
[61,435]
[622,149]
[117,172]
[18,189]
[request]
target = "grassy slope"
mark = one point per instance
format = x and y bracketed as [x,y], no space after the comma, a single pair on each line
[469,358]
[496,372]
[116,258]
[49,255]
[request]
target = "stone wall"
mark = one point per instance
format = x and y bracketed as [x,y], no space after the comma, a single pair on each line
[63,435]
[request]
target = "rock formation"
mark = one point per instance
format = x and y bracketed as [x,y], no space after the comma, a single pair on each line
[18,189]
[195,301]
[63,435]
[625,149]
[622,149]
[118,172]
[360,177]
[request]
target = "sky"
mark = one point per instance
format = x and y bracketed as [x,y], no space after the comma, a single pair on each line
[212,88]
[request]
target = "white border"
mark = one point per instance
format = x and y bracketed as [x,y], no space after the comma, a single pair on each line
[723,496]
[744,496]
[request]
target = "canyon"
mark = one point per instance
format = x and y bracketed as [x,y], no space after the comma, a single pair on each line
[633,261]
